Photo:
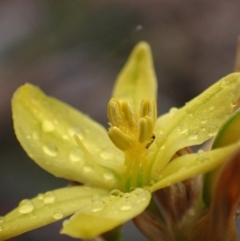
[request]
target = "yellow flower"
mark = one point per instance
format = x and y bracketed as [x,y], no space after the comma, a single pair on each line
[122,167]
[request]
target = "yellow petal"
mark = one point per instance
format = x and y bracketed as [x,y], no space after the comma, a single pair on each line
[105,214]
[197,121]
[46,208]
[137,80]
[188,166]
[45,128]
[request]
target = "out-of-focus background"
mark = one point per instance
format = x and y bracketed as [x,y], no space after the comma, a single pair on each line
[74,49]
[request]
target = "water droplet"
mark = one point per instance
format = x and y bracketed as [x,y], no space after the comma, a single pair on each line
[25,206]
[87,169]
[65,137]
[141,195]
[107,176]
[126,202]
[212,107]
[212,130]
[183,127]
[147,188]
[76,154]
[57,214]
[76,130]
[97,203]
[202,156]
[65,223]
[50,150]
[204,120]
[49,197]
[48,126]
[40,196]
[1,220]
[28,137]
[36,135]
[234,103]
[115,192]
[173,111]
[105,155]
[193,134]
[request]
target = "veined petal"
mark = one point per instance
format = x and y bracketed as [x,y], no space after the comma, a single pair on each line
[197,121]
[108,213]
[45,128]
[137,80]
[46,208]
[188,166]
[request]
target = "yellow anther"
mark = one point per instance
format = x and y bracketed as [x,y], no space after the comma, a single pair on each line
[148,108]
[115,114]
[130,113]
[120,139]
[145,129]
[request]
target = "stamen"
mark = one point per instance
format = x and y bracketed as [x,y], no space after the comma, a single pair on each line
[115,113]
[145,129]
[130,113]
[148,108]
[120,139]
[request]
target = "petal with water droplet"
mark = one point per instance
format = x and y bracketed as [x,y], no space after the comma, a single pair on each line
[193,165]
[187,127]
[90,222]
[34,112]
[37,212]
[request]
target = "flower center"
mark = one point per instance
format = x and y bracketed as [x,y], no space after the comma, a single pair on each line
[132,132]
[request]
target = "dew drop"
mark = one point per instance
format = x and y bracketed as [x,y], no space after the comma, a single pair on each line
[48,126]
[76,155]
[57,214]
[87,169]
[202,156]
[234,103]
[65,137]
[212,107]
[65,223]
[36,135]
[115,192]
[1,220]
[126,203]
[105,155]
[76,130]
[183,127]
[40,196]
[212,130]
[140,194]
[48,197]
[50,150]
[107,176]
[97,203]
[204,120]
[25,206]
[193,134]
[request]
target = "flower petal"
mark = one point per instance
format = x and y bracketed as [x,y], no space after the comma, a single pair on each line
[46,208]
[191,165]
[45,128]
[197,121]
[106,214]
[137,80]
[227,135]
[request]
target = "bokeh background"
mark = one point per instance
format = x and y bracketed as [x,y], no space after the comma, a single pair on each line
[74,50]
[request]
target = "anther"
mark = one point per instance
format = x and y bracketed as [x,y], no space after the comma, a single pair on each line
[130,113]
[120,139]
[114,112]
[145,129]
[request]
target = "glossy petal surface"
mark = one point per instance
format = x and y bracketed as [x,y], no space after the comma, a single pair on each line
[137,80]
[188,166]
[107,213]
[46,208]
[45,128]
[197,121]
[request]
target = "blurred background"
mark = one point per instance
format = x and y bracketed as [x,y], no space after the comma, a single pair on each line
[74,50]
